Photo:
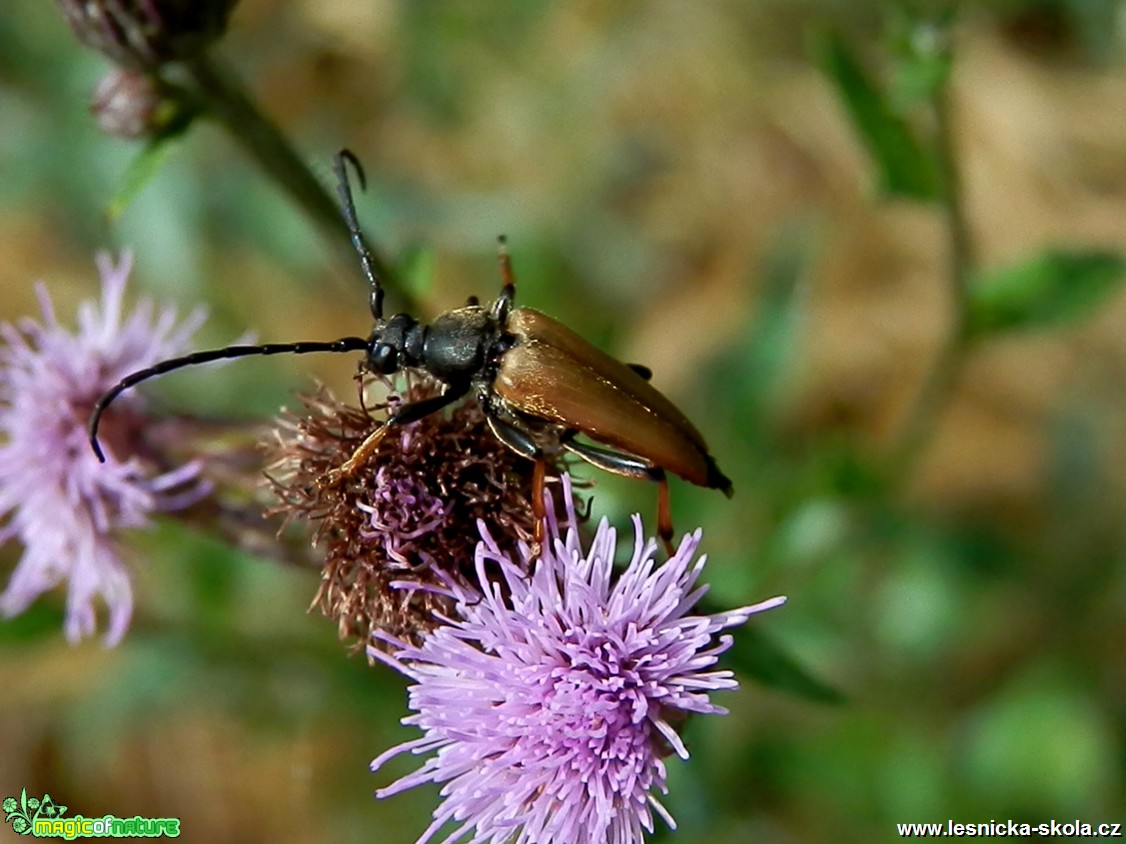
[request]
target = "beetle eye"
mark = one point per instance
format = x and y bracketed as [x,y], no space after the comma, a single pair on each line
[383,359]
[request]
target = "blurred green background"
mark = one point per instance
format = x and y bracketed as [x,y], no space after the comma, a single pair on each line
[683,183]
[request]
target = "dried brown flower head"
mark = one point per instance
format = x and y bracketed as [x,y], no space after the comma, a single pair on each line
[400,530]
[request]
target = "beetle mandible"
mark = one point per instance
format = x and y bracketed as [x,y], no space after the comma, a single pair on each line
[540,385]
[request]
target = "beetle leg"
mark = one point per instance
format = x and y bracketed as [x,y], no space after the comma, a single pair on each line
[416,410]
[664,514]
[617,462]
[406,414]
[539,513]
[359,456]
[629,466]
[515,438]
[522,443]
[645,372]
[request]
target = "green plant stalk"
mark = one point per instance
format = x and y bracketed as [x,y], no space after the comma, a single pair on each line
[220,96]
[922,418]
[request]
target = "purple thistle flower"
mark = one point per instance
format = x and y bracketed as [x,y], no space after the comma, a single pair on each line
[55,496]
[550,698]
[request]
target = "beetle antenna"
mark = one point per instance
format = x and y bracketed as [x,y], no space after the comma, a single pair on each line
[367,263]
[507,278]
[345,344]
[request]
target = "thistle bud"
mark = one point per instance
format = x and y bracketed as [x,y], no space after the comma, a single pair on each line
[145,34]
[129,104]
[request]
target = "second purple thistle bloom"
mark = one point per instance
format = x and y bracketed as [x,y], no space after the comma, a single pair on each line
[66,508]
[552,694]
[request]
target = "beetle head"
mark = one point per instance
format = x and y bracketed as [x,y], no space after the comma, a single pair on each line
[395,344]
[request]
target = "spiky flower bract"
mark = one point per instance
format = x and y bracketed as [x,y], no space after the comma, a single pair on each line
[552,693]
[65,507]
[400,529]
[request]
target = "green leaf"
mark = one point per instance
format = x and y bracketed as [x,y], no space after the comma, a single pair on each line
[1050,289]
[760,657]
[171,122]
[141,169]
[905,167]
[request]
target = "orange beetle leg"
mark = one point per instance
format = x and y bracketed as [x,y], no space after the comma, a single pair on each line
[664,515]
[539,513]
[360,456]
[406,414]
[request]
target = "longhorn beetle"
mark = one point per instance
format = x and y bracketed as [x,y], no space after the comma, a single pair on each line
[539,384]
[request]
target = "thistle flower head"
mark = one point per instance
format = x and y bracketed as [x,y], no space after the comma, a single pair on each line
[552,693]
[402,528]
[145,34]
[65,506]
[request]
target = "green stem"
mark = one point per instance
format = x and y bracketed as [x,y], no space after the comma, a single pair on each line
[923,417]
[962,260]
[225,100]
